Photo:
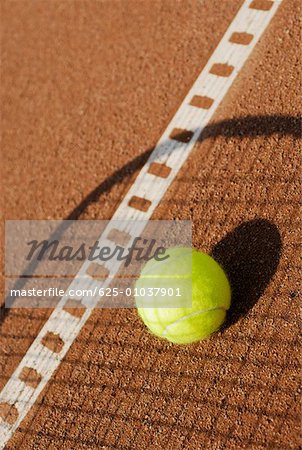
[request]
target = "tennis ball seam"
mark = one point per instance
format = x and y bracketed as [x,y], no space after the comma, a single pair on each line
[166,329]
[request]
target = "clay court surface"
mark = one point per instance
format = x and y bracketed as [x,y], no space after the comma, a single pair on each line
[87,90]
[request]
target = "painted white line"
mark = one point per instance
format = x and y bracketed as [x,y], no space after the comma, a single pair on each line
[140,202]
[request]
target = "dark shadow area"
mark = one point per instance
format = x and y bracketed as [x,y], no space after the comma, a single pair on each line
[250,126]
[250,256]
[253,126]
[117,177]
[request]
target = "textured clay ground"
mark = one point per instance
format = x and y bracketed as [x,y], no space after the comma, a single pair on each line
[87,89]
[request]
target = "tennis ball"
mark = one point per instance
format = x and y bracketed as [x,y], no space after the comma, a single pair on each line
[202,280]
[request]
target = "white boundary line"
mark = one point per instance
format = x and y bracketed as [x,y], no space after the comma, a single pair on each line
[144,196]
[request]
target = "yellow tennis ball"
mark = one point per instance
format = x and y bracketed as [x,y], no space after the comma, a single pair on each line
[210,292]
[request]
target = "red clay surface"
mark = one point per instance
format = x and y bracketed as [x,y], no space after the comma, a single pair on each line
[87,89]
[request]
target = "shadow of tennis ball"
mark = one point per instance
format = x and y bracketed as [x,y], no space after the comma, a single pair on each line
[250,256]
